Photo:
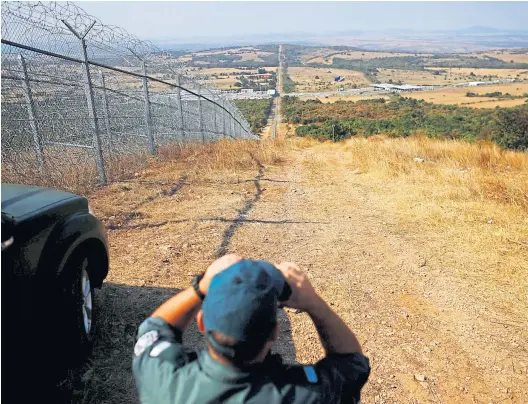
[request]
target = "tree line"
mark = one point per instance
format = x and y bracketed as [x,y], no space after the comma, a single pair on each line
[256,112]
[405,117]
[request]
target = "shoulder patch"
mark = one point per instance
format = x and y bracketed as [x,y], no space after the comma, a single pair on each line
[310,373]
[159,348]
[145,341]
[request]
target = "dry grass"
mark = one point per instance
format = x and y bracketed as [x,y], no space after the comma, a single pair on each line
[75,170]
[454,75]
[247,53]
[316,53]
[360,55]
[418,77]
[228,82]
[505,55]
[70,169]
[305,80]
[230,70]
[159,239]
[223,155]
[471,195]
[325,60]
[458,96]
[492,103]
[464,73]
[482,171]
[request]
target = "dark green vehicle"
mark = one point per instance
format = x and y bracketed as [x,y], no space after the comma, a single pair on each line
[54,253]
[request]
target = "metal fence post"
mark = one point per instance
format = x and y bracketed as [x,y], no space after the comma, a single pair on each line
[224,113]
[215,107]
[32,116]
[106,110]
[232,122]
[93,116]
[148,117]
[91,103]
[239,126]
[180,106]
[201,112]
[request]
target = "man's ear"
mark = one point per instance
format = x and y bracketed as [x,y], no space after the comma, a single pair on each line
[199,321]
[275,333]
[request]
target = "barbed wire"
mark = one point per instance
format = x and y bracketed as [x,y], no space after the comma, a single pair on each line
[78,95]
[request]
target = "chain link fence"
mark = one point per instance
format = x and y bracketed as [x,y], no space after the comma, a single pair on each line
[88,102]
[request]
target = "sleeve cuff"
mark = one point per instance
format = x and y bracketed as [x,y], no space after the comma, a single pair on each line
[165,330]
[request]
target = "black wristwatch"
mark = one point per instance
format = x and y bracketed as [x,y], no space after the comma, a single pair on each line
[195,284]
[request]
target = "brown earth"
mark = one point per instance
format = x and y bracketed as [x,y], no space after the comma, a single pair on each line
[442,317]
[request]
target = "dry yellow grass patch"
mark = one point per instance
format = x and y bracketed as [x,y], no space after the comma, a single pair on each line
[472,194]
[374,55]
[255,56]
[75,170]
[230,70]
[457,96]
[248,53]
[225,82]
[505,55]
[417,77]
[498,103]
[70,169]
[305,80]
[320,59]
[361,55]
[227,155]
[476,172]
[316,53]
[464,72]
[285,130]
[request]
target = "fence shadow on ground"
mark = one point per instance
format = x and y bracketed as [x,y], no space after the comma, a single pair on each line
[230,231]
[107,376]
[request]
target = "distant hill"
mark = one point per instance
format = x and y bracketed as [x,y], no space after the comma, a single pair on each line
[477,29]
[473,38]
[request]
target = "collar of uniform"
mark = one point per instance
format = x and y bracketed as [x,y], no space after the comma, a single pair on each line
[227,373]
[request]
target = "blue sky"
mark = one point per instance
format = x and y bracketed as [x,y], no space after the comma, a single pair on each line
[151,20]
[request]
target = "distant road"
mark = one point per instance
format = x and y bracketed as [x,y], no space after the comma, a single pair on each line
[277,103]
[279,70]
[367,91]
[373,91]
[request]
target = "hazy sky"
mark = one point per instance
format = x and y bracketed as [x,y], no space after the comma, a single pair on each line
[151,20]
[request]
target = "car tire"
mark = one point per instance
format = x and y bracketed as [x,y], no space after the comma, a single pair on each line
[78,299]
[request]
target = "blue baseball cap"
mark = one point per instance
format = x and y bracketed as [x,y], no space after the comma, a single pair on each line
[242,303]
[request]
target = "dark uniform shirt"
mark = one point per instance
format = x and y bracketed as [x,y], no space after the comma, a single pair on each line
[165,373]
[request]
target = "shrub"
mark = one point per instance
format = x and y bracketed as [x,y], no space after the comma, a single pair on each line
[512,128]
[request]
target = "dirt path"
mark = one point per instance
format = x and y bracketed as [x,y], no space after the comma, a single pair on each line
[269,131]
[433,332]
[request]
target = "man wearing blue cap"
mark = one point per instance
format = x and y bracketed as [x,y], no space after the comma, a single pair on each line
[239,319]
